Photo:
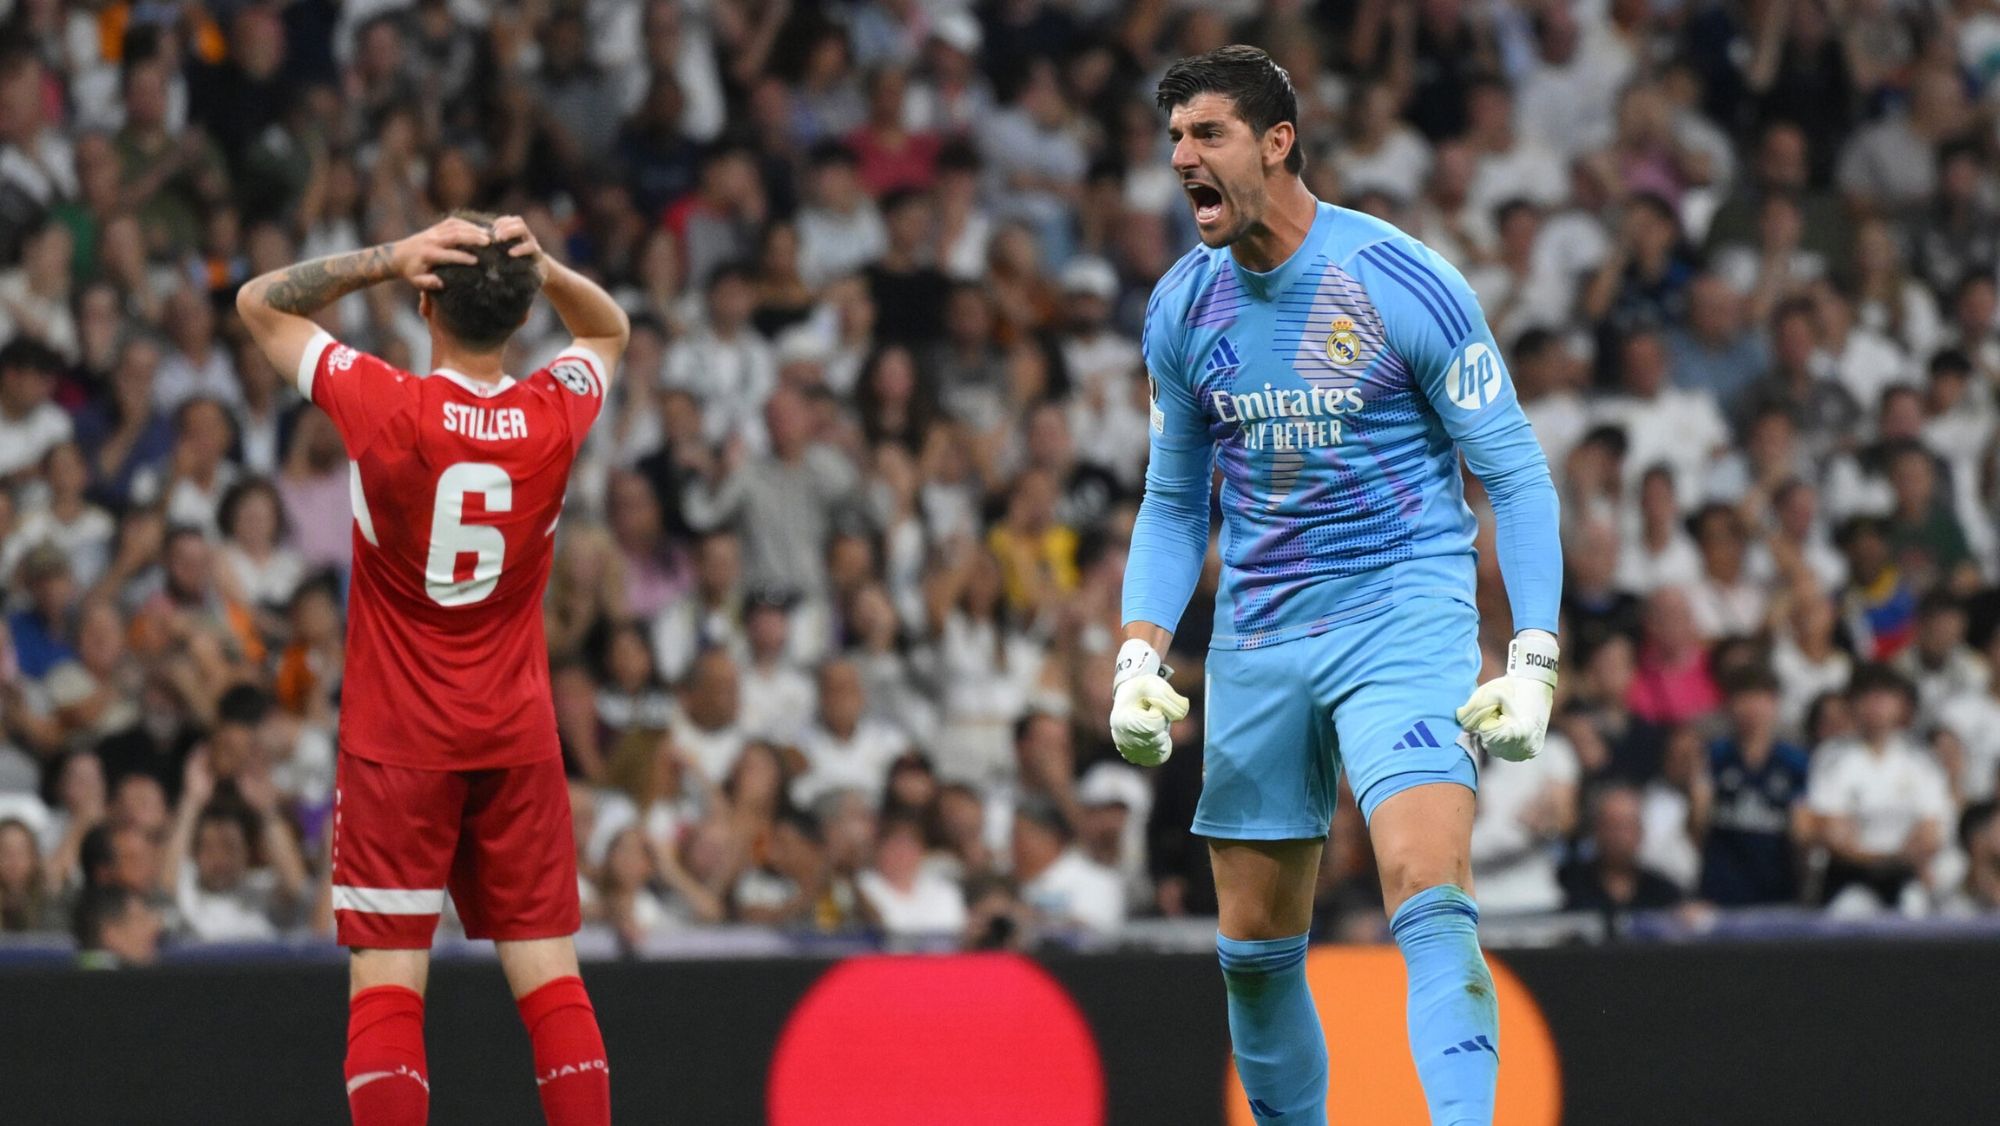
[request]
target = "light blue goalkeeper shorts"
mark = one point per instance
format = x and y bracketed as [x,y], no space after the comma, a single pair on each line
[1375,697]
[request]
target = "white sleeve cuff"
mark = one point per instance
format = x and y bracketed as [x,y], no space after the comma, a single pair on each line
[309,362]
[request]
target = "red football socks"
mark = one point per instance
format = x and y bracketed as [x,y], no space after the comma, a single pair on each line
[570,1071]
[387,1082]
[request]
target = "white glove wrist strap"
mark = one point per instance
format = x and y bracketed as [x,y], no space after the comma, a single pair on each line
[1136,658]
[1533,654]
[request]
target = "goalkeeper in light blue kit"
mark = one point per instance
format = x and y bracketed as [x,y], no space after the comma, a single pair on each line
[1334,369]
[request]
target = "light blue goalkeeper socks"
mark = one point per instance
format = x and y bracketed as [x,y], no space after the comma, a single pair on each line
[1280,1049]
[1454,1020]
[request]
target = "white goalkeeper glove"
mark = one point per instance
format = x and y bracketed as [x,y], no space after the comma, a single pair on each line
[1144,707]
[1509,715]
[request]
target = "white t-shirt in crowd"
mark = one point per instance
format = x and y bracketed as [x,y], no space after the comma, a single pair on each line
[1802,680]
[1517,869]
[1079,890]
[1888,793]
[858,762]
[933,905]
[240,915]
[1975,719]
[778,702]
[714,751]
[24,441]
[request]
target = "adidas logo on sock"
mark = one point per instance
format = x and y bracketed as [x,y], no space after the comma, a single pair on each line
[1476,1044]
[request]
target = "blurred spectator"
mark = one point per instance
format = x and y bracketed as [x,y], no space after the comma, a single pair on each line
[1526,811]
[257,568]
[1065,888]
[1979,838]
[899,895]
[782,504]
[1878,606]
[1939,662]
[705,725]
[66,520]
[1664,425]
[1672,684]
[26,905]
[840,227]
[1806,658]
[116,928]
[1716,351]
[1974,716]
[1668,811]
[1725,599]
[30,423]
[1611,879]
[1881,803]
[1750,812]
[845,750]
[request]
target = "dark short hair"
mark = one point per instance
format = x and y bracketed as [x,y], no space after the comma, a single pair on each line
[826,154]
[101,907]
[1950,361]
[1937,602]
[94,853]
[1857,526]
[958,156]
[482,304]
[1260,89]
[735,269]
[1607,435]
[33,355]
[1879,677]
[895,199]
[243,704]
[1753,677]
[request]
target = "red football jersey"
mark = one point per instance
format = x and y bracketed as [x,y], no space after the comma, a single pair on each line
[456,487]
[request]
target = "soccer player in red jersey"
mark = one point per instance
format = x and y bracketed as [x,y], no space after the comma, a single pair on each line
[449,773]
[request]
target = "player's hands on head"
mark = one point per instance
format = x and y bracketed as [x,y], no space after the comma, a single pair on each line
[1509,715]
[1144,707]
[513,227]
[417,257]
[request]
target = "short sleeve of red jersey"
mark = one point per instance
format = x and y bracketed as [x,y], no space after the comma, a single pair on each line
[579,370]
[357,390]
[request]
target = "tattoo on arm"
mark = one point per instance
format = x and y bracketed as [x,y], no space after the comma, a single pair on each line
[310,286]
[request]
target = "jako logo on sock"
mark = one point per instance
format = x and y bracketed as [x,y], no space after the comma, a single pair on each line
[556,1073]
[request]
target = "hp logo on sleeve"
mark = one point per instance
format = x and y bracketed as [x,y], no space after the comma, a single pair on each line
[1475,378]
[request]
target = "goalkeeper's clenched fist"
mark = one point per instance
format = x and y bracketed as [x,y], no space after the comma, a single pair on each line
[1144,707]
[1509,715]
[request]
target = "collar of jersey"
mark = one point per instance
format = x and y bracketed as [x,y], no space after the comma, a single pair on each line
[1272,282]
[483,390]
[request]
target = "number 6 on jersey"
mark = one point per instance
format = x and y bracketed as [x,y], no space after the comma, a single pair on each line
[451,537]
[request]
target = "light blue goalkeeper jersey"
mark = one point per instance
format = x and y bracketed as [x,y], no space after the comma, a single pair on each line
[1335,393]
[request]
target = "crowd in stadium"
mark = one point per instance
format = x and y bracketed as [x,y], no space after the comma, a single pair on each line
[837,585]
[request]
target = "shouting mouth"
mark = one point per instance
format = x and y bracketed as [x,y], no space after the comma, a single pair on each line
[1207,202]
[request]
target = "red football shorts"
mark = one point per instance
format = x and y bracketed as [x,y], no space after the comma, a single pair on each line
[500,840]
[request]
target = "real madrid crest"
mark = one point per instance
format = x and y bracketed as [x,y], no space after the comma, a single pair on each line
[1343,344]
